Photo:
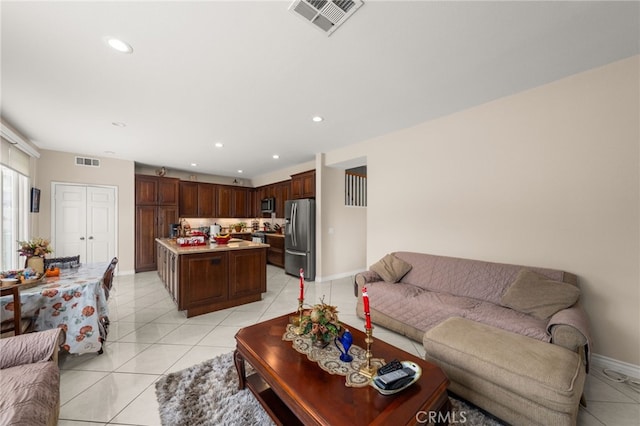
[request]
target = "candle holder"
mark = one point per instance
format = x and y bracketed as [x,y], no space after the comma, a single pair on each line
[368,370]
[297,320]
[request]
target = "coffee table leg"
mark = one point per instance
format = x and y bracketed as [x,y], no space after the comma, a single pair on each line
[239,361]
[445,410]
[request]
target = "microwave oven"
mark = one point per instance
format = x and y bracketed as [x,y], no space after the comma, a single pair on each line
[268,205]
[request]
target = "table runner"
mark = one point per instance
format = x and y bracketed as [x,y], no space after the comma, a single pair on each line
[328,358]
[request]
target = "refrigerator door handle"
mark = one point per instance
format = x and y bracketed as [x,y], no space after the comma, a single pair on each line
[294,214]
[295,253]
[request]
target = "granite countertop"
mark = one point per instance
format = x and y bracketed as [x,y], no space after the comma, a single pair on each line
[233,244]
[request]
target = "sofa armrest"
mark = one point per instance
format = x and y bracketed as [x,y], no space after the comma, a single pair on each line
[363,278]
[30,348]
[569,328]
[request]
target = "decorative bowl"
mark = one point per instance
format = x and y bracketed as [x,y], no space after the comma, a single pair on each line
[222,240]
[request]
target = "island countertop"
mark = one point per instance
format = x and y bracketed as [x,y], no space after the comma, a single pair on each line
[233,244]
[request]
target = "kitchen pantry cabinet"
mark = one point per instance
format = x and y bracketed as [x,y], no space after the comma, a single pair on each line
[156,208]
[303,185]
[197,199]
[152,190]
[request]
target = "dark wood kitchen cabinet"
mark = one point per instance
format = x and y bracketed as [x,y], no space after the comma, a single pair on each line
[275,252]
[233,202]
[303,185]
[156,208]
[210,279]
[155,191]
[281,191]
[188,204]
[197,199]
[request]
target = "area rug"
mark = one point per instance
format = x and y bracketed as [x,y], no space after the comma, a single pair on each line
[207,394]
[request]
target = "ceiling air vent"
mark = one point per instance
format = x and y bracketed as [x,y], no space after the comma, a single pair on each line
[91,162]
[326,15]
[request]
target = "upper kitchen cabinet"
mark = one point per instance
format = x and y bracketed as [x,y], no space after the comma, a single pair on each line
[188,204]
[233,202]
[283,193]
[303,185]
[153,190]
[197,199]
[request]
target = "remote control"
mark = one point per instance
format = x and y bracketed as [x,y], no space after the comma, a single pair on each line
[389,380]
[388,368]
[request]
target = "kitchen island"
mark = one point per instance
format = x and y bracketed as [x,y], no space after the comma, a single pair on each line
[211,277]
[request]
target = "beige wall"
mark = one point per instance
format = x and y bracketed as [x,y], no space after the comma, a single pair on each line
[343,229]
[54,166]
[548,177]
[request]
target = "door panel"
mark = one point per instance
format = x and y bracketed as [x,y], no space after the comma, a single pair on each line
[70,227]
[84,222]
[101,234]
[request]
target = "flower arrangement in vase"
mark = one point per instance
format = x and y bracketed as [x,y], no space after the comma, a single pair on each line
[34,247]
[320,323]
[34,250]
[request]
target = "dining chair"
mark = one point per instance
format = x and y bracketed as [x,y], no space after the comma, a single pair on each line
[16,325]
[63,261]
[107,284]
[107,278]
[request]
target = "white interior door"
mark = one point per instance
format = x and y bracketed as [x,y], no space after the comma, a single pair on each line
[84,222]
[70,221]
[101,234]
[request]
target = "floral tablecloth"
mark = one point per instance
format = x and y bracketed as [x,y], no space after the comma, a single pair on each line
[75,302]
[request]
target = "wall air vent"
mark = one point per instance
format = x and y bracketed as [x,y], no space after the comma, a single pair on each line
[326,15]
[90,162]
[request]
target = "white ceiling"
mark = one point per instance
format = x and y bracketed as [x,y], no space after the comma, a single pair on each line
[251,74]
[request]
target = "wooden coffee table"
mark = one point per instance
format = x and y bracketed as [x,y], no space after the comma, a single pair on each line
[295,390]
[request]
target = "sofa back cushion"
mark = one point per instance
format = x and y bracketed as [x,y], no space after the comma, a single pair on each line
[391,268]
[536,295]
[465,277]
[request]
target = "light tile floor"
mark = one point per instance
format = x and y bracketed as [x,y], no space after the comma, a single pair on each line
[148,337]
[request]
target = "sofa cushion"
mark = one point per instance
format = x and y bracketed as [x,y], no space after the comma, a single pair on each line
[30,393]
[391,268]
[536,295]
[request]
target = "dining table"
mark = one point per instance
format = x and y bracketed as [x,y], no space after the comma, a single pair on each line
[74,301]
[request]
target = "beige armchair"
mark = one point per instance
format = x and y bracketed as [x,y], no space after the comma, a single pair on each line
[30,378]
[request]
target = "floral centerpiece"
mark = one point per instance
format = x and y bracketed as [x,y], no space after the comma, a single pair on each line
[320,323]
[34,247]
[34,250]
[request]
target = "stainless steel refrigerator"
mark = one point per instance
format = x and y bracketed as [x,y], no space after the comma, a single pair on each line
[300,238]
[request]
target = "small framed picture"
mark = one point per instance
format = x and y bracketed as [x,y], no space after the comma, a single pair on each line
[35,200]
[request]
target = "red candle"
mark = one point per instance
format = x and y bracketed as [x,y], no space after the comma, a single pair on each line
[367,314]
[301,284]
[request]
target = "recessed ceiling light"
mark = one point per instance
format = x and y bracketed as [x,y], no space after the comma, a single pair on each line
[120,45]
[219,145]
[119,124]
[194,164]
[317,119]
[239,171]
[276,156]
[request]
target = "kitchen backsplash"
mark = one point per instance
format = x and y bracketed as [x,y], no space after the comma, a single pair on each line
[227,222]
